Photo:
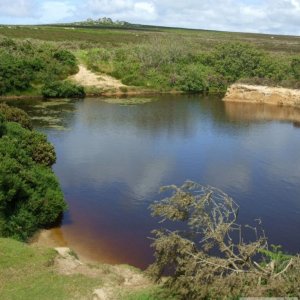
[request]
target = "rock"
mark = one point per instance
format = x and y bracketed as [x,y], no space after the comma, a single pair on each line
[66,262]
[263,94]
[103,294]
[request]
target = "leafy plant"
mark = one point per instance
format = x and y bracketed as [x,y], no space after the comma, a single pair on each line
[30,195]
[63,89]
[14,114]
[34,143]
[25,64]
[296,68]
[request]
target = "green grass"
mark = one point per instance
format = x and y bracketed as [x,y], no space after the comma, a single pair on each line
[78,37]
[154,293]
[163,59]
[29,273]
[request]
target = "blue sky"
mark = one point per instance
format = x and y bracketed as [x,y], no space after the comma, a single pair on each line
[265,16]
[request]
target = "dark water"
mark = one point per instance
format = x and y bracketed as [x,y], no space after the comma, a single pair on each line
[112,159]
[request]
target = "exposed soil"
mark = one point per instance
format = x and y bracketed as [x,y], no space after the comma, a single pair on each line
[117,280]
[89,79]
[263,94]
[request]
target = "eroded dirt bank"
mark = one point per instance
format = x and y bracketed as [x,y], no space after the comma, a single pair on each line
[263,94]
[87,78]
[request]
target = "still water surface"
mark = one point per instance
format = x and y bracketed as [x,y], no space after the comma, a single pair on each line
[112,159]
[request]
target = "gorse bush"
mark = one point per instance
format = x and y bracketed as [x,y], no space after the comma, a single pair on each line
[63,89]
[14,114]
[30,195]
[194,79]
[24,64]
[235,61]
[210,257]
[165,64]
[34,143]
[296,68]
[2,125]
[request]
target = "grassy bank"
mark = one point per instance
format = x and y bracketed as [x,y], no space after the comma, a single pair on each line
[35,68]
[144,57]
[174,65]
[28,272]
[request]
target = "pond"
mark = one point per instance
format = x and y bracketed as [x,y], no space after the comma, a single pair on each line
[113,158]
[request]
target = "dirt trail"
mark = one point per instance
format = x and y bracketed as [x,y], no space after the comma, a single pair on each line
[87,78]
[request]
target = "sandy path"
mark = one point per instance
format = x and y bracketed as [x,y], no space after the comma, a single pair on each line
[86,77]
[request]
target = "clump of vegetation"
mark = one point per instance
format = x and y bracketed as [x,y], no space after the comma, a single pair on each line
[165,64]
[237,60]
[211,257]
[296,67]
[24,65]
[102,21]
[22,266]
[2,126]
[63,89]
[30,195]
[14,114]
[129,101]
[34,143]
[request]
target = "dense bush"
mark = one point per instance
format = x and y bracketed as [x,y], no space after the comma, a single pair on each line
[296,68]
[194,78]
[15,73]
[164,65]
[24,64]
[34,143]
[2,125]
[30,196]
[62,89]
[235,61]
[13,114]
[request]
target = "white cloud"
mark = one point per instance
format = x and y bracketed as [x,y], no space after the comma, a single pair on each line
[127,10]
[55,11]
[16,8]
[107,7]
[144,7]
[268,16]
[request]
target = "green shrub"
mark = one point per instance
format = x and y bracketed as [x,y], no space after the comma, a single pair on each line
[193,79]
[64,89]
[2,125]
[13,114]
[24,64]
[34,143]
[67,59]
[165,64]
[295,65]
[15,73]
[236,60]
[30,196]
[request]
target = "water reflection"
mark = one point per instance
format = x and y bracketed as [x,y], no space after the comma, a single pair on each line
[113,159]
[261,112]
